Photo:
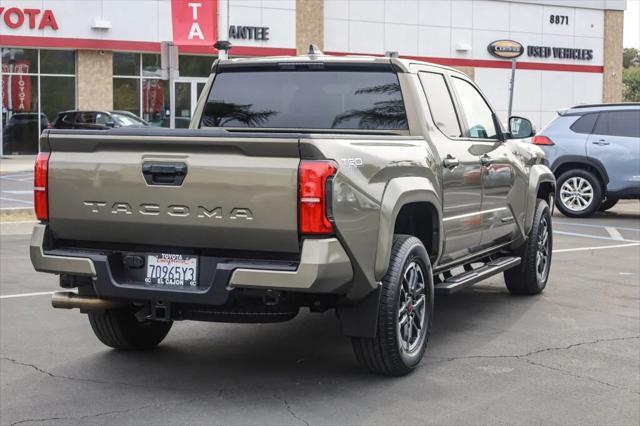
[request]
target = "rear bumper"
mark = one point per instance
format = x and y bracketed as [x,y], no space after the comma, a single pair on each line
[324,267]
[56,263]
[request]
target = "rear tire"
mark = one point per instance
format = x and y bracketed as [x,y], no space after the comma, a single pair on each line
[530,277]
[405,312]
[607,204]
[120,329]
[579,193]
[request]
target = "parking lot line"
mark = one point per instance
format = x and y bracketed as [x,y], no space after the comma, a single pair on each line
[590,225]
[14,296]
[595,248]
[595,237]
[18,178]
[15,222]
[613,232]
[15,200]
[20,192]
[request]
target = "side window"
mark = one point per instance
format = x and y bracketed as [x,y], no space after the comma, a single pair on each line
[442,110]
[68,118]
[102,119]
[86,118]
[585,123]
[619,123]
[478,114]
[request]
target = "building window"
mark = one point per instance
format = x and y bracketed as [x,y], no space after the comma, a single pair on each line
[36,86]
[126,95]
[137,86]
[195,66]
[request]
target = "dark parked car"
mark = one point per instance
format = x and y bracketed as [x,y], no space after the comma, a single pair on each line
[180,123]
[99,120]
[20,134]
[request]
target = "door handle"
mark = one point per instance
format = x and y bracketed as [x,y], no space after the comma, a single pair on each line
[600,142]
[164,173]
[485,160]
[450,162]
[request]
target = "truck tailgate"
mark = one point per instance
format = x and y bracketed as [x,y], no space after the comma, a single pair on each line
[187,188]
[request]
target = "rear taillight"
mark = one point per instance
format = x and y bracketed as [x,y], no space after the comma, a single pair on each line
[314,192]
[541,140]
[41,185]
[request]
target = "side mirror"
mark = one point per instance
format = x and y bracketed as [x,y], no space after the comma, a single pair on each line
[110,124]
[520,128]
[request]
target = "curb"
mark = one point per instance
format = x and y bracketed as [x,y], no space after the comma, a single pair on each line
[8,212]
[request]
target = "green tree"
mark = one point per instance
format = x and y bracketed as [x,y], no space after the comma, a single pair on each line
[631,84]
[630,57]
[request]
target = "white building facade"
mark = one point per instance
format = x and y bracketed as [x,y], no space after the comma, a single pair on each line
[104,54]
[457,33]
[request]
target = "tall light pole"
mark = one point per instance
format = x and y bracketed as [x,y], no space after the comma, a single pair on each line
[512,83]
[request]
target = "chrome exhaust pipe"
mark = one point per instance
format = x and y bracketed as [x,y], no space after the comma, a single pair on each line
[69,300]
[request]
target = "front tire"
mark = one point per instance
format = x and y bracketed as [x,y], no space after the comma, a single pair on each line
[530,277]
[579,193]
[120,329]
[405,312]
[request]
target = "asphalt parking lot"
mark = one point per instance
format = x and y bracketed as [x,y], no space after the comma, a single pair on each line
[570,356]
[16,190]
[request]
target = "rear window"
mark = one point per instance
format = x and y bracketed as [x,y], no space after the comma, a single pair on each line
[325,98]
[585,123]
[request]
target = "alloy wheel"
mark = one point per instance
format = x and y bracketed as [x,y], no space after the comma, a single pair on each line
[543,250]
[412,308]
[576,194]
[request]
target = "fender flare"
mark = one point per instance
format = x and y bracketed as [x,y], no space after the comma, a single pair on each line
[398,193]
[538,175]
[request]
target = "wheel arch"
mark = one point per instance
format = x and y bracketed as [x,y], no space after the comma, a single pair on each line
[403,200]
[542,183]
[569,162]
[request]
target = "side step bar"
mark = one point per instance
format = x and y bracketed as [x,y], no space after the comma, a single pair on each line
[469,278]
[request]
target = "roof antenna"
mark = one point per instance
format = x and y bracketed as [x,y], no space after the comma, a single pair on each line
[223,47]
[314,50]
[391,54]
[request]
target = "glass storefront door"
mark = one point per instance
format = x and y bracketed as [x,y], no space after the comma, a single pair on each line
[187,92]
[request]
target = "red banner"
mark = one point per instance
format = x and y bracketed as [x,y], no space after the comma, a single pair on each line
[16,89]
[195,22]
[152,97]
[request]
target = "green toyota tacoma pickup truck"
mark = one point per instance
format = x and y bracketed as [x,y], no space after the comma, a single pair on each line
[364,185]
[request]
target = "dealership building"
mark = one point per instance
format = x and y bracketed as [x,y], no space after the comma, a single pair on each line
[59,55]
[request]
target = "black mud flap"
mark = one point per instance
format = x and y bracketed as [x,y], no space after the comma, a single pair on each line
[361,320]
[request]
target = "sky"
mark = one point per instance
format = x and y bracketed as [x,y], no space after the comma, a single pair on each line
[632,24]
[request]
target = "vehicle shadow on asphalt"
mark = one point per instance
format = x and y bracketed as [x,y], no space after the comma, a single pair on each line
[308,348]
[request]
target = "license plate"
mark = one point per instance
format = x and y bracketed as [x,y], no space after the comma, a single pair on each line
[172,270]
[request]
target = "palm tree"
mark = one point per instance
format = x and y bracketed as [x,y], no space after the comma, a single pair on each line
[383,115]
[220,113]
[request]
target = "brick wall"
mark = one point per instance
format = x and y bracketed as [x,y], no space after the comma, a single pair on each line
[612,77]
[94,80]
